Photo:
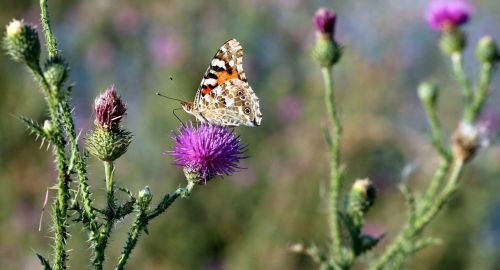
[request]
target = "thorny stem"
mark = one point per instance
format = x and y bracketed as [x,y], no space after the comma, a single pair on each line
[482,93]
[110,216]
[457,64]
[402,244]
[142,219]
[335,165]
[49,36]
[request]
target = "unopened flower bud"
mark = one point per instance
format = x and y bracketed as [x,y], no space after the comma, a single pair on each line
[487,50]
[56,71]
[324,22]
[48,128]
[428,93]
[145,197]
[362,195]
[453,41]
[326,51]
[108,145]
[21,43]
[109,109]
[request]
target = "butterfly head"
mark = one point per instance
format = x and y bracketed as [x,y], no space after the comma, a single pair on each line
[187,106]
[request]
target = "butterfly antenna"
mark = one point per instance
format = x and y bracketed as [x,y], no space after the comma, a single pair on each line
[167,97]
[176,116]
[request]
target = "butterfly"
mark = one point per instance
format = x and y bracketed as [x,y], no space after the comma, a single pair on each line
[224,96]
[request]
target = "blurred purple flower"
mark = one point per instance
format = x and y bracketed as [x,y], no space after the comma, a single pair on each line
[109,109]
[442,14]
[164,49]
[127,20]
[290,108]
[324,21]
[207,150]
[100,55]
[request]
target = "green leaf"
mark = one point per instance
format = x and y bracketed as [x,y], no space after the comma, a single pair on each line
[45,263]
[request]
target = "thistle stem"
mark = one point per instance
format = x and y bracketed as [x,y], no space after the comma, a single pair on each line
[457,64]
[335,165]
[104,235]
[480,98]
[142,219]
[47,29]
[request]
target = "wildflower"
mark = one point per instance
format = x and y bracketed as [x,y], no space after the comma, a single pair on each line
[487,50]
[447,14]
[206,151]
[324,21]
[21,43]
[108,141]
[326,51]
[109,109]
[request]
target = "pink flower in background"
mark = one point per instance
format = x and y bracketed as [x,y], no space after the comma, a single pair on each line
[101,55]
[442,14]
[290,108]
[164,49]
[127,20]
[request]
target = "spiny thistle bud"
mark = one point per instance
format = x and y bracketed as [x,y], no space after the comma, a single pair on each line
[326,51]
[108,141]
[428,93]
[144,198]
[109,109]
[108,145]
[467,139]
[56,71]
[21,43]
[48,128]
[362,195]
[487,51]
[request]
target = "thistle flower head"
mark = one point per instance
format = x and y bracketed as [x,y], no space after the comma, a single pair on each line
[206,151]
[324,21]
[109,109]
[14,28]
[448,14]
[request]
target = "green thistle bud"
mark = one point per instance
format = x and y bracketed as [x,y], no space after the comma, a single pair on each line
[108,145]
[56,71]
[48,128]
[362,196]
[487,50]
[428,93]
[326,51]
[21,43]
[453,41]
[145,197]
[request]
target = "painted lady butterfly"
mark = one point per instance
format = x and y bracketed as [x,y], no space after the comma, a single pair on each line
[224,96]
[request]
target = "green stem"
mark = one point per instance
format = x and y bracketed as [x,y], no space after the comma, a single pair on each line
[143,218]
[105,233]
[457,64]
[47,29]
[399,247]
[335,165]
[482,93]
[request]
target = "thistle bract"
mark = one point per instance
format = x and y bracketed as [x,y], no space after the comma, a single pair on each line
[206,151]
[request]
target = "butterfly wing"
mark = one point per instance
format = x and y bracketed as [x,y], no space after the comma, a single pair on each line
[233,103]
[226,64]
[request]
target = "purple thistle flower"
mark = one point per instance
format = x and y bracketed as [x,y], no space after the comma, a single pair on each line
[109,109]
[444,14]
[324,21]
[206,151]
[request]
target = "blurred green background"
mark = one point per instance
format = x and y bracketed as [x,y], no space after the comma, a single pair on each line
[246,221]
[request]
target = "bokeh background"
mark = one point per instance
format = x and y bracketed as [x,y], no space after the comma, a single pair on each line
[246,221]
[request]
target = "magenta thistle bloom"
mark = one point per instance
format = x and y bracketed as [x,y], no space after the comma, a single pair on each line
[443,14]
[324,21]
[109,109]
[206,151]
